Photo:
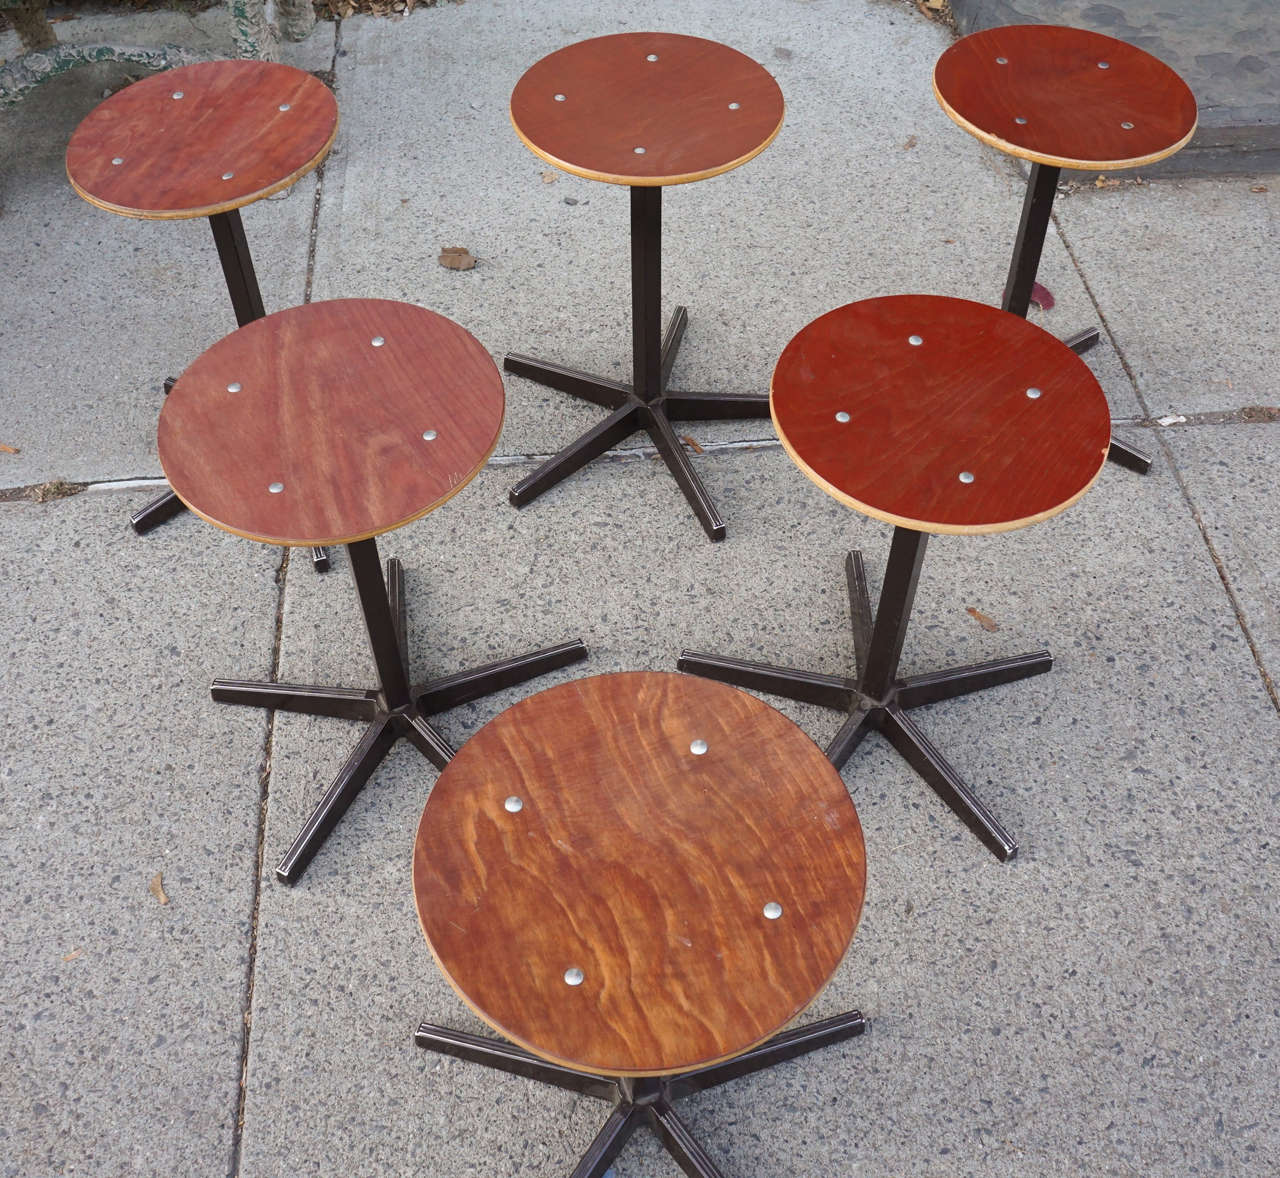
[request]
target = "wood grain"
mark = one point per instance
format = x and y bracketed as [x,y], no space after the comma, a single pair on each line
[336,420]
[678,108]
[1075,109]
[174,152]
[921,415]
[642,865]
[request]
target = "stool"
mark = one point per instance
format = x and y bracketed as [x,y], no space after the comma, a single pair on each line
[937,415]
[645,110]
[1063,98]
[204,141]
[332,423]
[639,879]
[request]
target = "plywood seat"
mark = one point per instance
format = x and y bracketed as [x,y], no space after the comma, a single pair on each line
[202,139]
[639,877]
[937,415]
[333,423]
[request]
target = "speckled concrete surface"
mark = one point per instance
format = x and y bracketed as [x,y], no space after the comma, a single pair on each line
[1103,1004]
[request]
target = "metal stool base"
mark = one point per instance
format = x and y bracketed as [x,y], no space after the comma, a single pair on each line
[642,1100]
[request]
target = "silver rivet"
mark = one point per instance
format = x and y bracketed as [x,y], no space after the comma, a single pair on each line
[773,910]
[1020,121]
[559,97]
[1034,394]
[377,341]
[1104,65]
[914,340]
[639,151]
[178,94]
[283,106]
[966,476]
[276,488]
[735,106]
[233,387]
[652,57]
[1002,61]
[118,161]
[429,435]
[513,804]
[1127,126]
[573,976]
[842,417]
[698,747]
[227,175]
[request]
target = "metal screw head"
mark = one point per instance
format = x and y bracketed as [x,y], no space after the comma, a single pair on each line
[1104,65]
[233,387]
[377,341]
[652,57]
[842,417]
[698,747]
[513,805]
[559,97]
[915,341]
[1034,394]
[283,106]
[1020,121]
[639,151]
[276,488]
[118,161]
[966,476]
[773,910]
[1002,61]
[735,106]
[1127,126]
[429,435]
[573,976]
[227,175]
[178,94]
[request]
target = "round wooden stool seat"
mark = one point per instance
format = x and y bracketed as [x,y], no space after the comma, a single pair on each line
[331,422]
[940,414]
[647,109]
[202,139]
[639,874]
[1066,97]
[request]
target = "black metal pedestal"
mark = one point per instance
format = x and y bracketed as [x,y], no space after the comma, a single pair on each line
[876,697]
[1037,207]
[645,403]
[246,301]
[393,709]
[642,1100]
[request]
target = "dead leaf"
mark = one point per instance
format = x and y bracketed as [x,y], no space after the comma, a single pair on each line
[910,143]
[985,622]
[456,257]
[57,489]
[156,887]
[550,177]
[1107,182]
[1259,188]
[1041,297]
[73,955]
[9,449]
[688,441]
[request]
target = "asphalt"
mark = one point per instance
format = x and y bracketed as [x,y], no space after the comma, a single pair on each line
[1105,1003]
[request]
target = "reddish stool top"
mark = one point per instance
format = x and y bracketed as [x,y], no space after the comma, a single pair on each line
[331,422]
[202,139]
[639,873]
[647,109]
[940,414]
[1065,97]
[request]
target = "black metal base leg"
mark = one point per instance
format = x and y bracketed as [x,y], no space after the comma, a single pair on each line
[1081,341]
[157,512]
[1130,457]
[392,709]
[829,691]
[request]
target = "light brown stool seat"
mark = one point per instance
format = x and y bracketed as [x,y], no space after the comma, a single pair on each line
[204,141]
[937,415]
[333,423]
[647,110]
[1063,98]
[640,879]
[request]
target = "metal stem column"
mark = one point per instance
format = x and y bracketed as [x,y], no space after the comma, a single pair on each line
[646,292]
[384,638]
[897,596]
[1037,207]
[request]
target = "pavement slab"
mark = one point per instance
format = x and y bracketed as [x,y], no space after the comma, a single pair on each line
[123,1017]
[1093,1005]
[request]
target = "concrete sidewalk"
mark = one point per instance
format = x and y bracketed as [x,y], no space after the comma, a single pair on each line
[1105,1004]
